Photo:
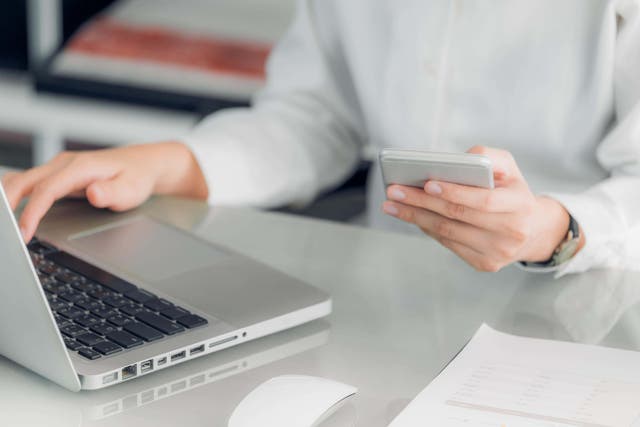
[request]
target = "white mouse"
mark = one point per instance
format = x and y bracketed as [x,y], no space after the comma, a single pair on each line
[291,401]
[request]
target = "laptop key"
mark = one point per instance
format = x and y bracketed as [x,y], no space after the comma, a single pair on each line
[57,305]
[40,247]
[44,278]
[85,286]
[54,287]
[89,339]
[103,328]
[87,320]
[70,312]
[125,339]
[88,353]
[104,312]
[72,344]
[192,321]
[67,276]
[119,320]
[160,323]
[48,268]
[145,332]
[93,273]
[100,292]
[72,330]
[62,322]
[174,313]
[140,296]
[71,295]
[158,304]
[116,301]
[132,309]
[89,304]
[107,348]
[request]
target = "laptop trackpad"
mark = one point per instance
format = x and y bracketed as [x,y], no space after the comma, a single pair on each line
[147,248]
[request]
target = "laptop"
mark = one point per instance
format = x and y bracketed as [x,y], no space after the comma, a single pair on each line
[97,300]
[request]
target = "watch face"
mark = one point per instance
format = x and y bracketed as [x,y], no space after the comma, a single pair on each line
[567,250]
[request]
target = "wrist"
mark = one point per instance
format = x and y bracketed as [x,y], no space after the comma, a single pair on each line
[551,223]
[179,173]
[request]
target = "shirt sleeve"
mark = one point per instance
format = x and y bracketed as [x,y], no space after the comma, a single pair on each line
[609,212]
[300,136]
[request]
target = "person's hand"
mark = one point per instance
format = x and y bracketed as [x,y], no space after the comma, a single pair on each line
[489,229]
[118,179]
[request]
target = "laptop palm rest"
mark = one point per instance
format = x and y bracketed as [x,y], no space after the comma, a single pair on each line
[220,283]
[147,248]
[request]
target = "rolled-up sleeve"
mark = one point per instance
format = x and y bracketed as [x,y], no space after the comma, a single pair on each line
[301,135]
[609,212]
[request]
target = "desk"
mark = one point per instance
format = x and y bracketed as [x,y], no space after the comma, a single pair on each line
[403,307]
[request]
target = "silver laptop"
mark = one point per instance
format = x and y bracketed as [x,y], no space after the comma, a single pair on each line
[131,295]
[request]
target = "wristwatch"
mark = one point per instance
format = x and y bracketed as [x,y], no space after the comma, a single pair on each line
[565,250]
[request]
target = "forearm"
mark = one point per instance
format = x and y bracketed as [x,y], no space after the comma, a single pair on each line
[179,172]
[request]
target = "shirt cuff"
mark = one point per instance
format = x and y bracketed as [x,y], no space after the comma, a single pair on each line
[224,166]
[598,225]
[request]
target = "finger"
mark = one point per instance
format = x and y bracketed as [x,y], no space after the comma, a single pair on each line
[419,198]
[54,187]
[7,177]
[440,227]
[120,193]
[497,200]
[502,162]
[17,186]
[476,259]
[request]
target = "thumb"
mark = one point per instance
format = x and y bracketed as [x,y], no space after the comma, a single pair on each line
[502,162]
[119,193]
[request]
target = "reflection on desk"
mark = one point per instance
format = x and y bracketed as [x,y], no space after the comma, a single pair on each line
[57,407]
[583,308]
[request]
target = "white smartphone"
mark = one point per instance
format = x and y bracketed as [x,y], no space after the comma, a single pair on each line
[414,168]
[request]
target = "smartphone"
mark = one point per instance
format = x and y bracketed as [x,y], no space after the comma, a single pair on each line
[413,168]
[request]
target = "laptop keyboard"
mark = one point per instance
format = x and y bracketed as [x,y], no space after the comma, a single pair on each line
[100,314]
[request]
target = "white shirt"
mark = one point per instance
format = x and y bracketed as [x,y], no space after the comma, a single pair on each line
[557,83]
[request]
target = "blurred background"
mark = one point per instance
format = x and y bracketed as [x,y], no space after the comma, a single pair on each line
[87,74]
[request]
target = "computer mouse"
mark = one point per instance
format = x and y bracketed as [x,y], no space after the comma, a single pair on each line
[291,401]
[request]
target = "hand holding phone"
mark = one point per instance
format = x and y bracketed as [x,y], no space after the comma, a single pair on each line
[460,208]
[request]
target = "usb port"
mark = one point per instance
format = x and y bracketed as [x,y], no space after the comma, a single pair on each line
[162,361]
[196,350]
[129,372]
[178,356]
[146,366]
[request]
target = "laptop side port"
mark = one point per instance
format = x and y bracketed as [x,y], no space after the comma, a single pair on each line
[162,361]
[223,341]
[129,372]
[196,350]
[146,366]
[109,378]
[177,356]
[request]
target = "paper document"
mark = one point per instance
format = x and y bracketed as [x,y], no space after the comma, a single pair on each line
[501,380]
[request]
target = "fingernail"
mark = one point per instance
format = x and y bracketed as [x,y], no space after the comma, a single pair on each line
[433,188]
[396,194]
[389,209]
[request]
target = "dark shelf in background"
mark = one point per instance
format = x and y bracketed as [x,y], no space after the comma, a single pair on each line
[46,81]
[13,35]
